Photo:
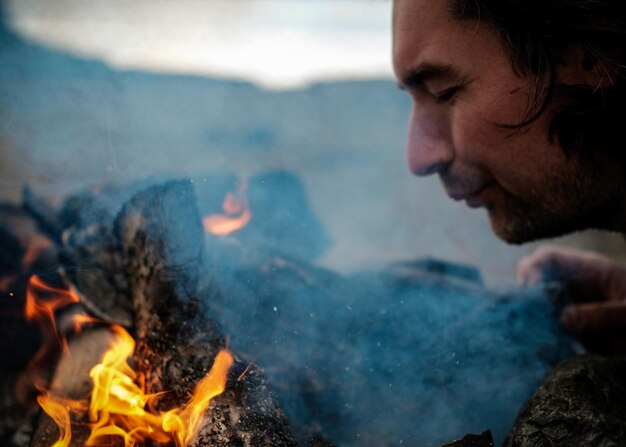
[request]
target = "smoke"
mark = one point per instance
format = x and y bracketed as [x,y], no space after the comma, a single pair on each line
[400,355]
[365,359]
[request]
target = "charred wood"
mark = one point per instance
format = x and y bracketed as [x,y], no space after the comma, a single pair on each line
[161,240]
[135,259]
[91,252]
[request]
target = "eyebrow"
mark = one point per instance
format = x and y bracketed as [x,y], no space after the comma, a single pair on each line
[417,76]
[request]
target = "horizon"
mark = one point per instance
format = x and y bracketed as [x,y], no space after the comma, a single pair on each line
[274,44]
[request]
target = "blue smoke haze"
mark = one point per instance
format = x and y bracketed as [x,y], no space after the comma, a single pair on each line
[371,358]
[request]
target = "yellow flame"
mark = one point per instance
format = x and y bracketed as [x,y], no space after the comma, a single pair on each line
[59,410]
[118,404]
[59,413]
[185,424]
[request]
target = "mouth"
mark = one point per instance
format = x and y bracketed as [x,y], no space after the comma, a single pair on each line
[473,199]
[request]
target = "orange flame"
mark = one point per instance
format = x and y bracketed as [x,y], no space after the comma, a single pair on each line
[80,320]
[38,308]
[42,301]
[118,404]
[236,215]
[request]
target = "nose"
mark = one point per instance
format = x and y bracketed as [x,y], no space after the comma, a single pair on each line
[429,146]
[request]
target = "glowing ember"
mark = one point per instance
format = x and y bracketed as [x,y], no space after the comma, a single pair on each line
[236,215]
[118,405]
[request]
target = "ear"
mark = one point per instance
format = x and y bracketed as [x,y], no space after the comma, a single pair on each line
[579,67]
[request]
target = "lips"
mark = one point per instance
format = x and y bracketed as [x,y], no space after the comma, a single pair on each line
[473,198]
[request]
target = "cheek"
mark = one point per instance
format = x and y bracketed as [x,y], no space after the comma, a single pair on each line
[480,116]
[513,157]
[473,138]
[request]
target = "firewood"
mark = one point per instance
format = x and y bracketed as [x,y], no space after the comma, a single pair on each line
[144,256]
[161,241]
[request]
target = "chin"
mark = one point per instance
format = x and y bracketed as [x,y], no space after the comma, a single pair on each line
[525,226]
[553,212]
[514,234]
[511,233]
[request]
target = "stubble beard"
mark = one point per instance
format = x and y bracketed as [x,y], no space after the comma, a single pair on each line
[581,199]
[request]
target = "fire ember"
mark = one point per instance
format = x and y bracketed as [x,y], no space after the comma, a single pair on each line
[236,214]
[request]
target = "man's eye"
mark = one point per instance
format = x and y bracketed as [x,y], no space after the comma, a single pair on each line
[447,95]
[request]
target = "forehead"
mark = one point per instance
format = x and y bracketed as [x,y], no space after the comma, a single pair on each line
[405,12]
[425,32]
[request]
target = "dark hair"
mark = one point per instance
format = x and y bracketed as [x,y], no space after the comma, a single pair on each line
[536,33]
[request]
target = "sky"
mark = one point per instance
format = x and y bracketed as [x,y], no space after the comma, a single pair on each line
[277,44]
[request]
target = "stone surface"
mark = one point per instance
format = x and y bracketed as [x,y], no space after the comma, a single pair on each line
[580,403]
[482,440]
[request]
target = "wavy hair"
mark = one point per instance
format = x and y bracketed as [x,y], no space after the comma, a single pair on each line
[536,33]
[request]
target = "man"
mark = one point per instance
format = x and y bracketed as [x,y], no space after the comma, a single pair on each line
[519,107]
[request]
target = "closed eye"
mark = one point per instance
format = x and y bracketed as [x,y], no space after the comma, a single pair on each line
[447,95]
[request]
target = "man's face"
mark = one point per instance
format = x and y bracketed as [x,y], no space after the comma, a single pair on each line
[463,89]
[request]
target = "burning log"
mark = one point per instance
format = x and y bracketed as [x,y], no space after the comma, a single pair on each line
[177,342]
[156,238]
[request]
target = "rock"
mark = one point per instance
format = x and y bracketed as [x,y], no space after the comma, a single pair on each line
[580,403]
[482,440]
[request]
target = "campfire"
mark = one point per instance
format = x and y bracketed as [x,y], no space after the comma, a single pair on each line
[118,405]
[151,324]
[126,358]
